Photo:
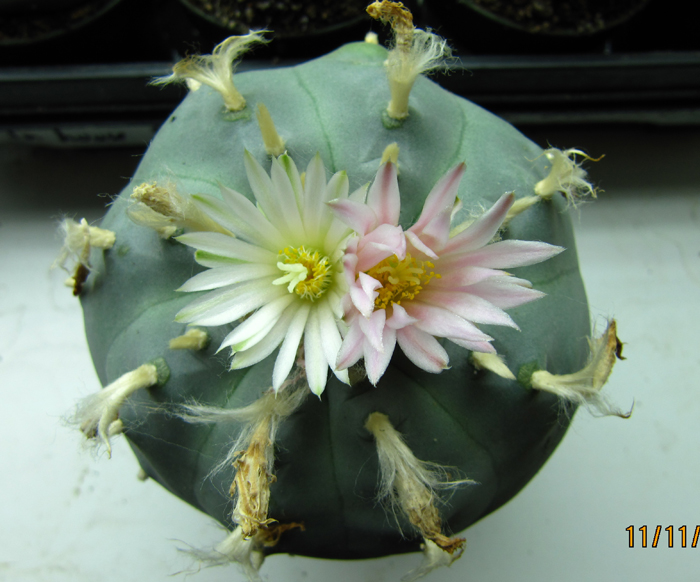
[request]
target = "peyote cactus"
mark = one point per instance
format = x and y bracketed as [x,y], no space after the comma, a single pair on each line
[291,448]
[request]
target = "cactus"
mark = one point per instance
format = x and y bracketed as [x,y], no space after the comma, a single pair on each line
[306,471]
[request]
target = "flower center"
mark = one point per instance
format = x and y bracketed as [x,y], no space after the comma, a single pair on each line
[400,279]
[308,273]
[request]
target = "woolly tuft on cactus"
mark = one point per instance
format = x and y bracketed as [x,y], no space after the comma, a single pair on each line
[368,286]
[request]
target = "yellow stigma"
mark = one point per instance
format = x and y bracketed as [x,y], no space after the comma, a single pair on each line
[307,272]
[400,279]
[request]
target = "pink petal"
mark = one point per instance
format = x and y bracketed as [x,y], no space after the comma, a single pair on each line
[440,322]
[399,318]
[504,254]
[384,241]
[441,198]
[484,347]
[357,216]
[351,350]
[419,245]
[349,266]
[463,277]
[373,328]
[433,225]
[363,293]
[377,362]
[383,196]
[505,292]
[422,349]
[470,307]
[369,285]
[482,230]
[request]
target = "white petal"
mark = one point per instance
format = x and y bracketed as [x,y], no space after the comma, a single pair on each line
[290,345]
[290,169]
[338,187]
[230,275]
[359,195]
[230,303]
[268,344]
[314,359]
[314,197]
[215,261]
[328,326]
[227,246]
[241,216]
[263,319]
[331,229]
[275,197]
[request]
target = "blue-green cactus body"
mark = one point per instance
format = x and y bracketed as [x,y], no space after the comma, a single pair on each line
[492,430]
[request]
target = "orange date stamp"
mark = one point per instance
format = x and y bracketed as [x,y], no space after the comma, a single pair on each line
[686,536]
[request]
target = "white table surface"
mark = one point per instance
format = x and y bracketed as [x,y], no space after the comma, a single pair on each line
[67,515]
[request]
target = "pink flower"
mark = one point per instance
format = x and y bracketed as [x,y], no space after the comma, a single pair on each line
[410,287]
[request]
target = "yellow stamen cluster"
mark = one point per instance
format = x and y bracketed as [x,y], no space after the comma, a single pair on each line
[308,273]
[400,279]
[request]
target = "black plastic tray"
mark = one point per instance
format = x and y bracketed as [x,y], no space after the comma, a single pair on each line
[89,88]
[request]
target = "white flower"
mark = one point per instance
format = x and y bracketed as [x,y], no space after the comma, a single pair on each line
[284,267]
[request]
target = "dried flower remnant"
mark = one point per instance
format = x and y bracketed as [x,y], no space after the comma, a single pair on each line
[166,211]
[415,52]
[584,387]
[98,414]
[409,485]
[216,70]
[78,239]
[246,552]
[252,456]
[566,176]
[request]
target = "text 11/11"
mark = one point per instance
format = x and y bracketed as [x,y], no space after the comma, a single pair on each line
[682,531]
